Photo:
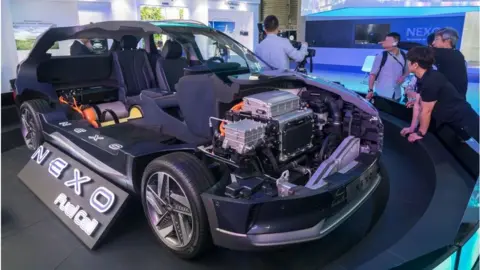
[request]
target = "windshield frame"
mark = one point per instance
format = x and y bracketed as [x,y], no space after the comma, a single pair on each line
[180,33]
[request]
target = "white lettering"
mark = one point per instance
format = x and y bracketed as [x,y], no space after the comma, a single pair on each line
[71,210]
[57,166]
[65,124]
[61,200]
[80,217]
[104,205]
[77,181]
[410,32]
[79,130]
[115,146]
[96,137]
[40,154]
[421,31]
[86,224]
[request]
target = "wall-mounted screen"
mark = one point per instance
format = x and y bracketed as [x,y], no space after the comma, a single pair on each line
[370,33]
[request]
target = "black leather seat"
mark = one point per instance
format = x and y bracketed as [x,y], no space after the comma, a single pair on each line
[170,67]
[133,71]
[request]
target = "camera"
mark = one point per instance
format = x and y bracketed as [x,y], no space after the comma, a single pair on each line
[311,53]
[297,45]
[291,35]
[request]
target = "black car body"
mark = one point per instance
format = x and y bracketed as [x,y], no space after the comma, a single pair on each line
[217,144]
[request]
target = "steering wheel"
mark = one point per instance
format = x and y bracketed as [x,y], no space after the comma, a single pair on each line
[215,58]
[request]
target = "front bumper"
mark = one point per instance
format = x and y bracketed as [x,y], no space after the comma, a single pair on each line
[247,225]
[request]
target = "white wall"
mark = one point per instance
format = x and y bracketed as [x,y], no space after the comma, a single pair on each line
[243,22]
[93,12]
[349,57]
[199,10]
[246,15]
[60,13]
[8,57]
[470,44]
[171,3]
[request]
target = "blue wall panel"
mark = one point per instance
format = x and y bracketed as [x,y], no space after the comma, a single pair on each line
[341,33]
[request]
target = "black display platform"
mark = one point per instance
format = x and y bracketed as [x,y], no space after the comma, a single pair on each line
[34,238]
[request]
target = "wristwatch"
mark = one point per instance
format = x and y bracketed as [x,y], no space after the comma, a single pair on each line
[370,90]
[419,133]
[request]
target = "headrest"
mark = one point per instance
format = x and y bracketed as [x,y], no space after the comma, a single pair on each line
[128,42]
[172,50]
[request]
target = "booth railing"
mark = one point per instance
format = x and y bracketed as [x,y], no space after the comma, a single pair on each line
[463,254]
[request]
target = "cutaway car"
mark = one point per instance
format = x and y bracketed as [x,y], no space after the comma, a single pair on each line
[220,147]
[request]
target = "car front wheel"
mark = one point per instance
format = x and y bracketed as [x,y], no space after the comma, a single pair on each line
[171,188]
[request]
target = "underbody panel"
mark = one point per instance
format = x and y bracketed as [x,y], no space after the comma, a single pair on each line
[111,151]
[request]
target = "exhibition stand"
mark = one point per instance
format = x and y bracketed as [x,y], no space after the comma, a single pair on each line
[416,218]
[423,215]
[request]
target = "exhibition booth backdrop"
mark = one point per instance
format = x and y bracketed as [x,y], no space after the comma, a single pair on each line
[29,19]
[356,39]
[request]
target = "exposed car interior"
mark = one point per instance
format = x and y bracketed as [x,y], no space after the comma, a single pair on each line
[129,92]
[131,86]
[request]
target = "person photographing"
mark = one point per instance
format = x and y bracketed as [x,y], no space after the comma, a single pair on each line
[277,51]
[437,97]
[389,70]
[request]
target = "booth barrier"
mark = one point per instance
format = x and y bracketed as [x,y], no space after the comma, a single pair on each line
[464,252]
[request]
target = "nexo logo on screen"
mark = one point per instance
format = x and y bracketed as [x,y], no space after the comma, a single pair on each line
[101,199]
[420,31]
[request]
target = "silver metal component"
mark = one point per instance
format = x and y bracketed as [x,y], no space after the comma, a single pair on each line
[271,104]
[322,119]
[215,118]
[283,120]
[169,210]
[285,188]
[345,153]
[295,91]
[365,149]
[233,177]
[283,177]
[243,135]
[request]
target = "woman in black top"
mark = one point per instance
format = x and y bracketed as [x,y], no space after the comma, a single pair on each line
[437,97]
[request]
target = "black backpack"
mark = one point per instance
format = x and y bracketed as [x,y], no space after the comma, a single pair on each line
[384,60]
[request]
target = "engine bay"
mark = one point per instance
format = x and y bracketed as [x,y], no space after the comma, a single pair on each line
[283,142]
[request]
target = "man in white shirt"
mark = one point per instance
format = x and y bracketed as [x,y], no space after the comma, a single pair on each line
[389,70]
[277,51]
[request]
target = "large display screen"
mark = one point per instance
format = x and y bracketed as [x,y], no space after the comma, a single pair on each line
[370,33]
[387,7]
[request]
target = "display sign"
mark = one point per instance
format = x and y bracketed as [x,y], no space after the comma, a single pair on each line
[365,33]
[84,201]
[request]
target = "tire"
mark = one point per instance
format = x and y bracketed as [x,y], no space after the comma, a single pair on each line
[31,126]
[190,177]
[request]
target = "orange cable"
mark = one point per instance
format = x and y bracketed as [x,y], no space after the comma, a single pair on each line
[235,108]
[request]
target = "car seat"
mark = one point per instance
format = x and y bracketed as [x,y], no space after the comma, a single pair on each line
[198,102]
[133,71]
[170,67]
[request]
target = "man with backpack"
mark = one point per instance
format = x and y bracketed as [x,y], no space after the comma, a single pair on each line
[389,70]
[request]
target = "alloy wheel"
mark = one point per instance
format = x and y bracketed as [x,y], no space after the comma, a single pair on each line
[28,128]
[169,210]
